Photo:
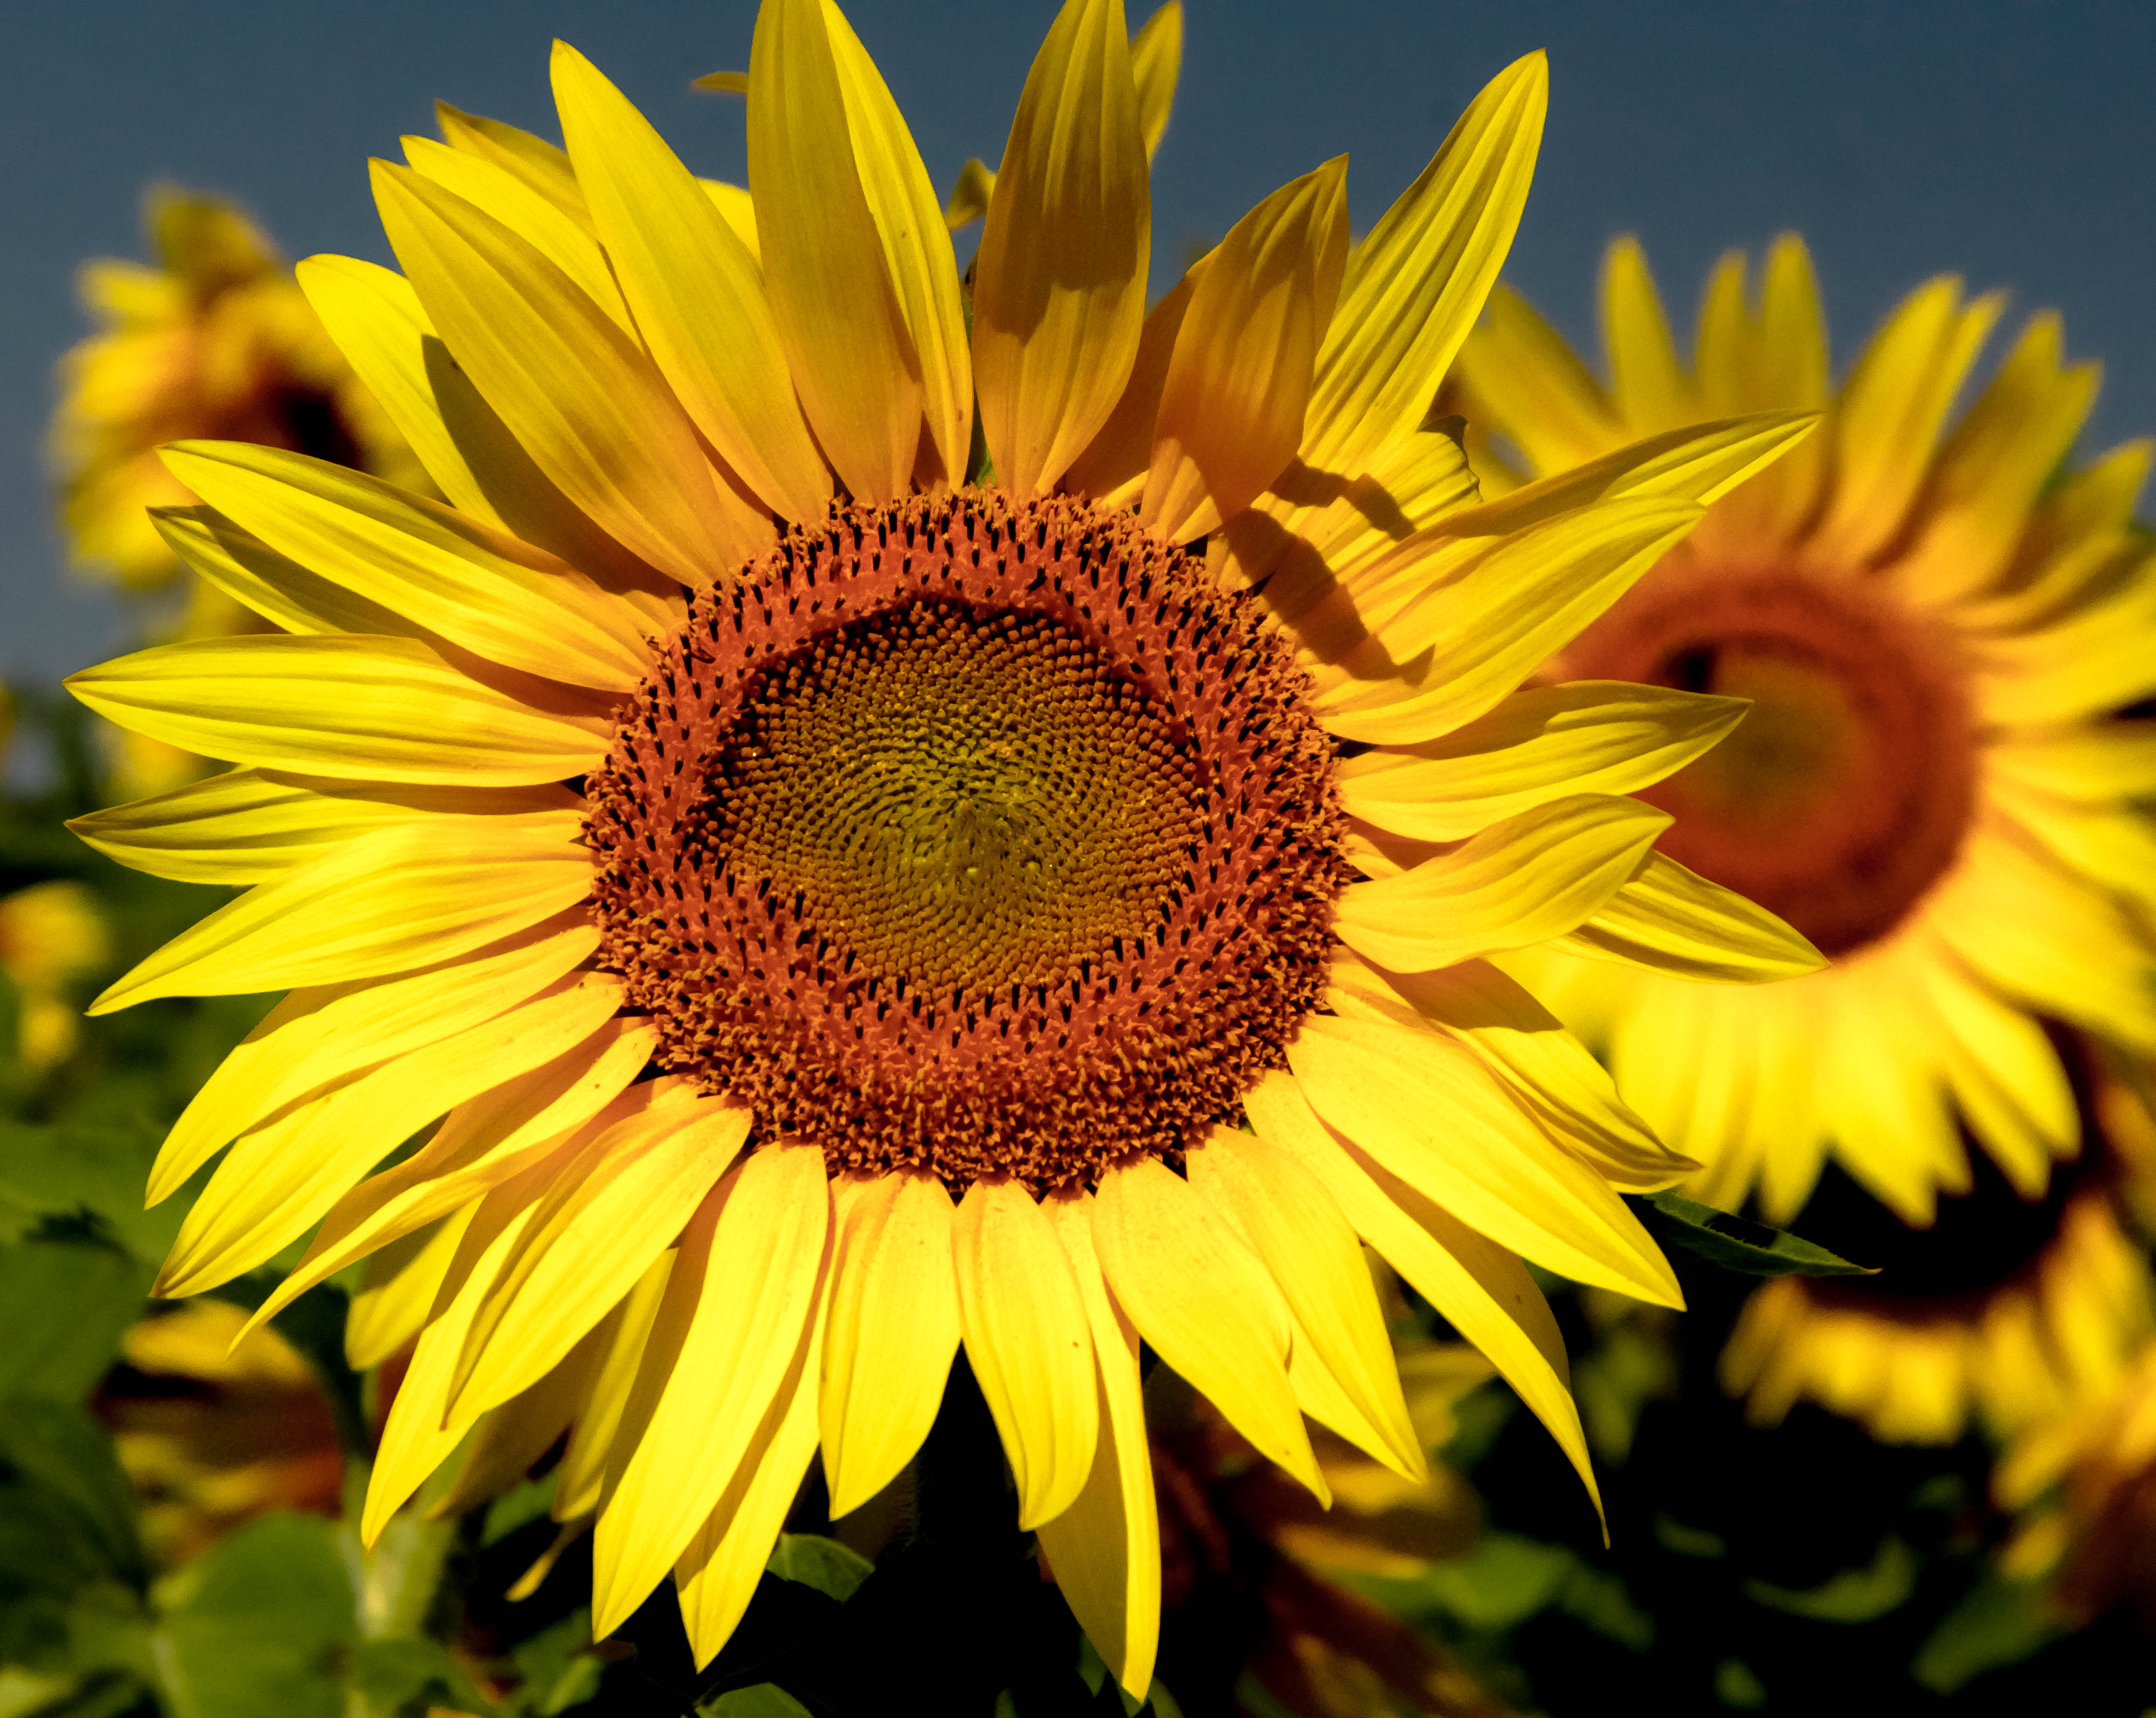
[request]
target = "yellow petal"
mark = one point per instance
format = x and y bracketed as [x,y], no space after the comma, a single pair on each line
[718,1570]
[729,1333]
[1592,737]
[404,897]
[474,585]
[1208,1305]
[1417,282]
[584,1459]
[1480,1290]
[375,317]
[970,192]
[1231,408]
[390,709]
[277,1182]
[247,826]
[1520,372]
[548,1116]
[1156,62]
[531,215]
[508,1440]
[318,1035]
[1472,638]
[2005,1075]
[1312,1254]
[1532,877]
[1113,467]
[275,587]
[2087,664]
[541,165]
[1724,348]
[416,1437]
[916,246]
[1651,386]
[397,1290]
[1674,920]
[1027,1339]
[1788,368]
[1426,1109]
[586,403]
[738,210]
[1059,280]
[1886,422]
[695,288]
[1105,1548]
[892,1332]
[839,316]
[608,1215]
[1544,1067]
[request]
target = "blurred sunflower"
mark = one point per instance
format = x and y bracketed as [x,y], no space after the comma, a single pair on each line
[2006,1310]
[52,936]
[1938,634]
[840,897]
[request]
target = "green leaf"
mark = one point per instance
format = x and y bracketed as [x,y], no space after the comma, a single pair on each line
[1997,1622]
[1739,1244]
[1853,1595]
[255,1627]
[95,1168]
[1506,1579]
[518,1507]
[555,1669]
[822,1563]
[394,1676]
[762,1700]
[59,1467]
[65,1304]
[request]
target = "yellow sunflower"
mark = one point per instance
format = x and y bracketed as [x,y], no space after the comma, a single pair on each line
[213,340]
[52,936]
[815,899]
[1937,632]
[2005,1312]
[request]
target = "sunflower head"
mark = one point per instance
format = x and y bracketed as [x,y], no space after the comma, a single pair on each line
[819,895]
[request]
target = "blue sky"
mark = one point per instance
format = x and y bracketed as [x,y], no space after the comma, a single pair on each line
[2013,144]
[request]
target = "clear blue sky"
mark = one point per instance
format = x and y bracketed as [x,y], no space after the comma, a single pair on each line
[2014,144]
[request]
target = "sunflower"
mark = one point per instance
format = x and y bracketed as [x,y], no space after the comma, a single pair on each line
[1939,633]
[52,934]
[2004,1311]
[815,899]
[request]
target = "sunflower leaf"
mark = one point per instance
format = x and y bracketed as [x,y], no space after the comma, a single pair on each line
[1739,1244]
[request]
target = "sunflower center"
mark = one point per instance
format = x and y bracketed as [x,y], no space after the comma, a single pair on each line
[972,835]
[1845,793]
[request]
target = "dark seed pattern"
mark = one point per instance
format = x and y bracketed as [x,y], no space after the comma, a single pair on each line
[973,835]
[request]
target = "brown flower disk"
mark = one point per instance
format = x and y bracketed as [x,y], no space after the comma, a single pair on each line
[973,835]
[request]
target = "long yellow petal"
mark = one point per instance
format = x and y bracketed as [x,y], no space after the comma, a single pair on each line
[607,1216]
[397,1288]
[1543,1065]
[1312,1254]
[508,1440]
[1105,1548]
[531,215]
[1155,64]
[1534,876]
[837,310]
[1026,1335]
[1426,1108]
[1591,736]
[1468,640]
[1886,422]
[1523,373]
[583,1479]
[549,1116]
[587,405]
[275,586]
[474,585]
[1480,1290]
[1113,467]
[404,897]
[717,1572]
[248,826]
[1231,408]
[728,1335]
[319,1034]
[1651,386]
[1789,368]
[1670,920]
[1208,1305]
[1059,280]
[544,166]
[696,289]
[1417,282]
[384,708]
[892,1332]
[277,1182]
[916,246]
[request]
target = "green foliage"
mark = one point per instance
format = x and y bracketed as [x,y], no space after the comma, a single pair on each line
[1853,1595]
[260,1625]
[1739,1244]
[1997,1622]
[822,1563]
[65,1302]
[408,1676]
